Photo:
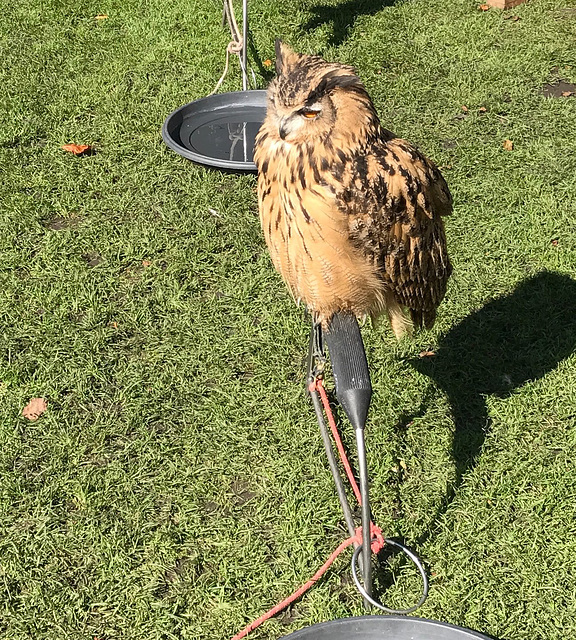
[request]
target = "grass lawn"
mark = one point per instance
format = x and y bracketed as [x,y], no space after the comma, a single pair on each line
[176,487]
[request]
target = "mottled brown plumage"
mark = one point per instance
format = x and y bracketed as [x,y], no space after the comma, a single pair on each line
[352,215]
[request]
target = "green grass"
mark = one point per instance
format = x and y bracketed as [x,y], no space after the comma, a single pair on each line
[176,487]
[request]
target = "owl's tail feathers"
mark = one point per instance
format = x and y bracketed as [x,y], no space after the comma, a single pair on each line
[402,325]
[423,319]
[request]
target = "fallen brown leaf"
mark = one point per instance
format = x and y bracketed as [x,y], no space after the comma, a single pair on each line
[482,110]
[267,63]
[76,149]
[34,409]
[554,242]
[464,108]
[427,354]
[101,16]
[567,94]
[508,145]
[484,7]
[146,263]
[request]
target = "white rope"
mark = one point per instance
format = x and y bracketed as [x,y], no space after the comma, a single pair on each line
[229,9]
[235,46]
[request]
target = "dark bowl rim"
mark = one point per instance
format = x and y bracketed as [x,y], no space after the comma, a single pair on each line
[424,622]
[220,100]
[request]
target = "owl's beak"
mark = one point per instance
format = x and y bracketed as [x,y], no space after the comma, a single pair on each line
[284,128]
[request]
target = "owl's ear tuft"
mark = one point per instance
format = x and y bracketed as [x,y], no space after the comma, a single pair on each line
[278,50]
[283,56]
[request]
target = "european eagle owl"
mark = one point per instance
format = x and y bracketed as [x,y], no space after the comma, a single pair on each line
[351,214]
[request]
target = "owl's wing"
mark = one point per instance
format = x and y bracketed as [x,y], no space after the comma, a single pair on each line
[409,197]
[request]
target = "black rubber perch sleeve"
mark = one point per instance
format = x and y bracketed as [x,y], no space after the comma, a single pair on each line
[350,367]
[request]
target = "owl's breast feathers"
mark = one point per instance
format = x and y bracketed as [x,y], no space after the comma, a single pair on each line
[359,232]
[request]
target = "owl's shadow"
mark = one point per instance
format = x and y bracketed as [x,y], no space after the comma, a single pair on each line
[342,16]
[510,341]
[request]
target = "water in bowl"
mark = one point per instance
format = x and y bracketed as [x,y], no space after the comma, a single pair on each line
[229,138]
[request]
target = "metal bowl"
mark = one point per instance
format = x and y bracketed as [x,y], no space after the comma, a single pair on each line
[218,131]
[385,628]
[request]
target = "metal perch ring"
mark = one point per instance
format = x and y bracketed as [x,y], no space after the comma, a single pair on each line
[417,562]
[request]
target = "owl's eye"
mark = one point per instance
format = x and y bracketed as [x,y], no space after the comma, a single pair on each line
[307,113]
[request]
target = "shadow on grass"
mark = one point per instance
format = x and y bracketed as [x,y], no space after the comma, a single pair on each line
[342,16]
[265,73]
[512,340]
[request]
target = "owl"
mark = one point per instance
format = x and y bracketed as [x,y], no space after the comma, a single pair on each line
[351,214]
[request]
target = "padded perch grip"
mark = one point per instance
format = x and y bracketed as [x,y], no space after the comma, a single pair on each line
[350,367]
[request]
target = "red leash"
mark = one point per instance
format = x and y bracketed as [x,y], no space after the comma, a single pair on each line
[378,541]
[377,545]
[318,385]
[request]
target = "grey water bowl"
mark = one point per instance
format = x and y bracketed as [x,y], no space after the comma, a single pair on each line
[218,131]
[385,628]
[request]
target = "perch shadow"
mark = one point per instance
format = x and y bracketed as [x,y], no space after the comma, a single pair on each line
[266,74]
[512,340]
[343,16]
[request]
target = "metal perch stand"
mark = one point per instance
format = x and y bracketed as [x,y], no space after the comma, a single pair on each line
[354,391]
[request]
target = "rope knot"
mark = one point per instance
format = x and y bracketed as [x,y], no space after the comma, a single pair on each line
[235,46]
[377,538]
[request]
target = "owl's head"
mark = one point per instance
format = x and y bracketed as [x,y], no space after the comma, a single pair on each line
[311,99]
